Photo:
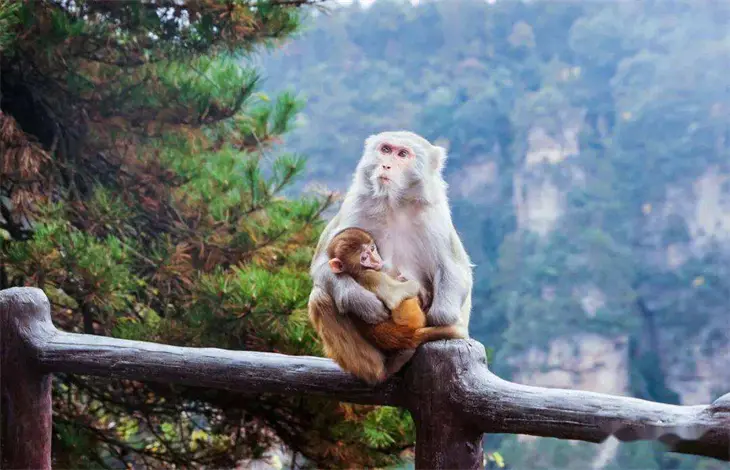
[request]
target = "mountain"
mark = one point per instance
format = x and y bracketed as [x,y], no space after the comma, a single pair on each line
[589,173]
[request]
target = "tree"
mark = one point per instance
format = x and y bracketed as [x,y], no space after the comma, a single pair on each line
[140,188]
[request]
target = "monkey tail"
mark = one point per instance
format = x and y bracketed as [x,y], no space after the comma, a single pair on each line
[342,341]
[435,333]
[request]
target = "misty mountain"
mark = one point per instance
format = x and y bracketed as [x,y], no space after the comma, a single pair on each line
[589,175]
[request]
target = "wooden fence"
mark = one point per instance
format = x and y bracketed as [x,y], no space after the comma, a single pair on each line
[448,388]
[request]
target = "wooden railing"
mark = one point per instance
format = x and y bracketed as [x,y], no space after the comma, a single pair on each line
[453,397]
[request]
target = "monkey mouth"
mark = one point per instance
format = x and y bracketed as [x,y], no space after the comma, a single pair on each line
[384,179]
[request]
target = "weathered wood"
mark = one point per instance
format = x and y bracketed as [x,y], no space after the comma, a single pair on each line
[445,438]
[239,371]
[25,391]
[499,406]
[448,387]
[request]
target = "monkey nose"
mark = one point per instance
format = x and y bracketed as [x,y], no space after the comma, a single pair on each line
[386,167]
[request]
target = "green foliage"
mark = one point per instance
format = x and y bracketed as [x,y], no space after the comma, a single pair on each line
[378,423]
[8,18]
[142,188]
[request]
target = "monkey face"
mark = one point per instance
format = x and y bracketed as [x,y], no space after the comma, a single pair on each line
[353,250]
[370,258]
[393,160]
[398,163]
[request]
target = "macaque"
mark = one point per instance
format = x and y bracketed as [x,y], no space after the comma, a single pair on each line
[353,252]
[398,195]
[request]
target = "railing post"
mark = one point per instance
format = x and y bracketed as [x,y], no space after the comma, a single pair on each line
[25,399]
[445,439]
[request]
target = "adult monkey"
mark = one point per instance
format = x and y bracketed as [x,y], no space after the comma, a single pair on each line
[398,194]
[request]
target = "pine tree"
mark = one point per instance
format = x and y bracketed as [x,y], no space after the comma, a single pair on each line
[141,188]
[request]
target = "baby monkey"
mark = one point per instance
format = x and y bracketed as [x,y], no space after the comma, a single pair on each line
[353,252]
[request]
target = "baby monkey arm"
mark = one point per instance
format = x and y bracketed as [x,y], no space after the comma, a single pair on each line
[392,291]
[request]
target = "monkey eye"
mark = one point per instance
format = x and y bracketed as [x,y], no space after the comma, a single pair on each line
[403,153]
[386,148]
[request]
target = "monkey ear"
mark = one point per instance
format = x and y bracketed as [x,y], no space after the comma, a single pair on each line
[438,157]
[370,141]
[336,265]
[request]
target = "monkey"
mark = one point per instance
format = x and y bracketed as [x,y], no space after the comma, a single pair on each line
[399,196]
[353,252]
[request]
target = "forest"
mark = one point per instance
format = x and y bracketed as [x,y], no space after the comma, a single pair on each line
[588,177]
[166,169]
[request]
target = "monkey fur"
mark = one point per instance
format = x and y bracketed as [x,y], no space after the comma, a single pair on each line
[398,195]
[353,252]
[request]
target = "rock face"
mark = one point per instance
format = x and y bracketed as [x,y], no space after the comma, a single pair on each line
[539,204]
[699,210]
[538,201]
[692,220]
[696,360]
[581,362]
[585,362]
[476,180]
[710,219]
[699,370]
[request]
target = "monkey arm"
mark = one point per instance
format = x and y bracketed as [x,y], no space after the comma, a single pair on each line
[452,284]
[393,292]
[352,298]
[424,296]
[349,296]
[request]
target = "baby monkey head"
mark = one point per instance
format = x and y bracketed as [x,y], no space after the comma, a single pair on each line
[352,251]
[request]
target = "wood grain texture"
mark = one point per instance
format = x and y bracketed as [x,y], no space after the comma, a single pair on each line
[445,439]
[499,406]
[447,386]
[25,391]
[239,371]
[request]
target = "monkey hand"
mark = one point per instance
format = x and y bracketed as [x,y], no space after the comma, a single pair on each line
[351,298]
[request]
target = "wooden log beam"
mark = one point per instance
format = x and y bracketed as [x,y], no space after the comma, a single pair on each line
[498,406]
[445,438]
[238,371]
[448,387]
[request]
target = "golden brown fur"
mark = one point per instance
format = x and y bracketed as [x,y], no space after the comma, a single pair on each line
[405,330]
[343,342]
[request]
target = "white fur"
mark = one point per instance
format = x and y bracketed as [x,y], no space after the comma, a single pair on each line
[412,228]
